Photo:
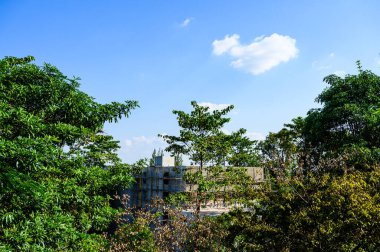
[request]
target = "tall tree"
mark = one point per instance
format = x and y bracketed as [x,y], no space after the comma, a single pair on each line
[334,205]
[348,121]
[58,170]
[285,153]
[199,130]
[201,138]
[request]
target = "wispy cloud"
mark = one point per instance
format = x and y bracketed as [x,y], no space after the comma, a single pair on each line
[319,66]
[324,63]
[186,22]
[250,134]
[213,106]
[261,55]
[141,140]
[329,64]
[142,146]
[255,135]
[340,73]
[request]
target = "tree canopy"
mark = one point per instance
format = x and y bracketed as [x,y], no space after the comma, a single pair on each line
[323,194]
[202,139]
[349,120]
[58,170]
[60,174]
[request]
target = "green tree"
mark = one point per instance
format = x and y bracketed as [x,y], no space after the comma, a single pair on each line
[201,138]
[285,153]
[345,128]
[333,204]
[58,170]
[244,151]
[348,121]
[200,131]
[322,213]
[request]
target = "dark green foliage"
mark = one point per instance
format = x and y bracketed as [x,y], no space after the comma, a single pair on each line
[243,150]
[58,171]
[323,194]
[349,121]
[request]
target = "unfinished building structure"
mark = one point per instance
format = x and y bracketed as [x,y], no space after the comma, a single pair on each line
[164,178]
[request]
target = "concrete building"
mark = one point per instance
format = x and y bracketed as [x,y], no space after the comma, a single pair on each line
[164,178]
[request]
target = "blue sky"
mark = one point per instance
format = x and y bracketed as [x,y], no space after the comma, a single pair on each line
[268,58]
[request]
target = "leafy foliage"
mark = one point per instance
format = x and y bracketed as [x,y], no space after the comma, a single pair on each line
[202,139]
[323,194]
[321,214]
[58,170]
[349,120]
[200,136]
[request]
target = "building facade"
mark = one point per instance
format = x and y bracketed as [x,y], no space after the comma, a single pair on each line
[164,178]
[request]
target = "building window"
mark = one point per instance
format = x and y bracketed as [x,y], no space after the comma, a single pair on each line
[166,178]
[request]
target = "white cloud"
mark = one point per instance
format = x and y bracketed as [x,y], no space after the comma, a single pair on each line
[249,134]
[320,66]
[186,22]
[255,135]
[261,55]
[139,140]
[340,73]
[226,131]
[213,106]
[223,46]
[325,63]
[139,147]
